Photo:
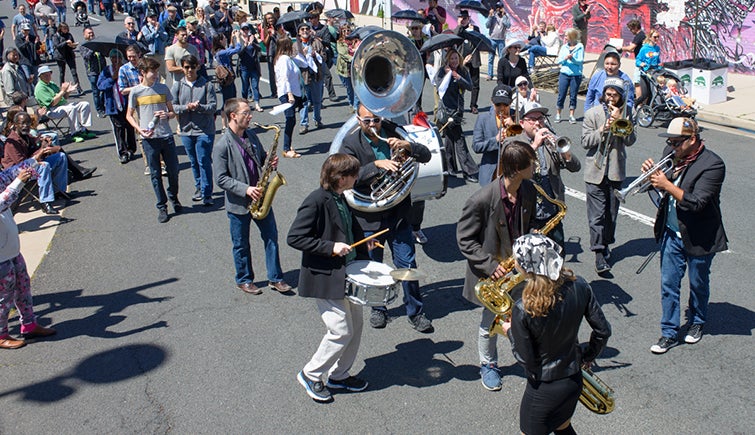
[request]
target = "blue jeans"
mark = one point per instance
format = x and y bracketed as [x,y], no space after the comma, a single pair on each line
[250,77]
[97,95]
[404,256]
[353,100]
[536,50]
[108,10]
[91,6]
[61,14]
[313,92]
[53,175]
[288,130]
[199,150]
[673,263]
[242,253]
[572,84]
[498,45]
[153,149]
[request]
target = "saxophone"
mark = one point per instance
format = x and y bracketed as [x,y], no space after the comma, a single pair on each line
[261,207]
[496,294]
[596,395]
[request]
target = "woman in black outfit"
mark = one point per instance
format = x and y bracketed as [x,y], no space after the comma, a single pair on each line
[453,105]
[64,55]
[512,65]
[543,333]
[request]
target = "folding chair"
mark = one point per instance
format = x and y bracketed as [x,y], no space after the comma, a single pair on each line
[59,124]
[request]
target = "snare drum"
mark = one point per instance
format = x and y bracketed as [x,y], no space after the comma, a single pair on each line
[370,283]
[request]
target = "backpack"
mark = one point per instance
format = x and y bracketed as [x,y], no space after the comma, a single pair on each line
[224,75]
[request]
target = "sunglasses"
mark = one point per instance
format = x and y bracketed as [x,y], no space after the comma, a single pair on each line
[676,142]
[190,67]
[522,85]
[368,120]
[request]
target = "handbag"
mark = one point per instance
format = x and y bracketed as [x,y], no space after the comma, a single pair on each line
[224,75]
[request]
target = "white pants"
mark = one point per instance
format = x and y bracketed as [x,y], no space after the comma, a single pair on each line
[79,115]
[338,348]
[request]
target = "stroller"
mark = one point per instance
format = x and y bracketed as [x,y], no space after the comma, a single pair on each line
[655,105]
[82,17]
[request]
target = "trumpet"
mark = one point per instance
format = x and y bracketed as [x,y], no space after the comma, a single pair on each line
[557,146]
[642,183]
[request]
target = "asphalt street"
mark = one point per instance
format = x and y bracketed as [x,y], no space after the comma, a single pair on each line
[153,336]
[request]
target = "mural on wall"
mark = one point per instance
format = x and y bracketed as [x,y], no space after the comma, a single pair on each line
[721,30]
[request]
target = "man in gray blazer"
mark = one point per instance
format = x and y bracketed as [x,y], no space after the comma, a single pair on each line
[605,168]
[237,161]
[491,220]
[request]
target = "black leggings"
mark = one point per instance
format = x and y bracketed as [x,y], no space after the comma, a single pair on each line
[547,405]
[71,62]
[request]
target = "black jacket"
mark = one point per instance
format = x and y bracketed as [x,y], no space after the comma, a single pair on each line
[548,347]
[316,228]
[356,145]
[699,213]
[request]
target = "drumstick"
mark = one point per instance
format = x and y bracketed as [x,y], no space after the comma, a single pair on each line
[368,238]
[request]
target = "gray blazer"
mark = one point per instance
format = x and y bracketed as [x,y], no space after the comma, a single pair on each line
[482,231]
[592,137]
[202,120]
[484,142]
[230,170]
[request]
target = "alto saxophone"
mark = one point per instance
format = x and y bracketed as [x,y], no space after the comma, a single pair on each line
[495,294]
[596,395]
[261,207]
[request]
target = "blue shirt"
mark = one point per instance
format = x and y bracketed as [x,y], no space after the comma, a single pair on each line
[571,67]
[595,90]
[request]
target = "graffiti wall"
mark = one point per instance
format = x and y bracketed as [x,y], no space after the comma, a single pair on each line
[722,30]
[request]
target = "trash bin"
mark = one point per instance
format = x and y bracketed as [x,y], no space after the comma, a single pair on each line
[709,81]
[683,70]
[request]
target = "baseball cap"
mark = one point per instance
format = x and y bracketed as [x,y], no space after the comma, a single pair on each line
[43,69]
[680,127]
[172,8]
[610,51]
[532,107]
[304,24]
[191,19]
[615,83]
[501,94]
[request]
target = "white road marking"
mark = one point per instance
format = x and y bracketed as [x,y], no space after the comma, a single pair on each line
[95,19]
[639,217]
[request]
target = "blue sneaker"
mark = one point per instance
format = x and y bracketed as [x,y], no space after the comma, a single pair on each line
[315,389]
[352,383]
[491,377]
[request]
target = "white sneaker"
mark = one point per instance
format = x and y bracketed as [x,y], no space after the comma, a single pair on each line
[420,237]
[558,118]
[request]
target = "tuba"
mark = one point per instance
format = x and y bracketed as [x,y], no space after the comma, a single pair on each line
[388,76]
[261,207]
[495,294]
[596,395]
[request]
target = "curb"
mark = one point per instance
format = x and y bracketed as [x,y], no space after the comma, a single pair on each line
[725,120]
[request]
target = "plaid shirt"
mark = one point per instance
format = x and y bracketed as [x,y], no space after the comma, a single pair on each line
[128,76]
[201,47]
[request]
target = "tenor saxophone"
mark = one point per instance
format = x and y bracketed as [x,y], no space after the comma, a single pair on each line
[261,207]
[495,294]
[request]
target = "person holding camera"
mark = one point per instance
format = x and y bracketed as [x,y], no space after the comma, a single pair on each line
[498,22]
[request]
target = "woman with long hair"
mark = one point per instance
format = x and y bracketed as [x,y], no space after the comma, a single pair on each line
[64,54]
[205,27]
[571,57]
[223,55]
[346,49]
[288,79]
[543,333]
[451,92]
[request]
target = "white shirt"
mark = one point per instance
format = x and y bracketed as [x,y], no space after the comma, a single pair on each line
[287,76]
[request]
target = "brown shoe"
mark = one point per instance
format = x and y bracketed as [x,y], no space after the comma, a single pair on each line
[11,343]
[249,287]
[39,331]
[280,286]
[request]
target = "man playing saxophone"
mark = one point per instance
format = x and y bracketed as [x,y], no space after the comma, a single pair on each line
[374,155]
[548,167]
[605,166]
[485,238]
[688,226]
[237,161]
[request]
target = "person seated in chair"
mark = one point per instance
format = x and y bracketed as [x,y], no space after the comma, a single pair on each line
[52,97]
[53,172]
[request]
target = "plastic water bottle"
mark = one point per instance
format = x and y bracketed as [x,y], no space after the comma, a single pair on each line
[153,123]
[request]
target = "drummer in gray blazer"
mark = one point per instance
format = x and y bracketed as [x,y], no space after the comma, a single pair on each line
[492,218]
[324,230]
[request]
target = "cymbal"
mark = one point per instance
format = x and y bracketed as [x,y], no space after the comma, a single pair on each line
[407,275]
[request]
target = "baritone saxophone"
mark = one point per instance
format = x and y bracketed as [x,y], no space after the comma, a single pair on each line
[261,207]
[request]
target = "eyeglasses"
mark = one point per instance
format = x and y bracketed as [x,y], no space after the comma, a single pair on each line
[190,67]
[676,142]
[245,113]
[368,120]
[130,23]
[533,119]
[655,36]
[516,47]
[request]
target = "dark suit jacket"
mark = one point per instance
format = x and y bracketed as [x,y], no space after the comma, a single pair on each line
[230,170]
[356,145]
[699,212]
[316,228]
[482,231]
